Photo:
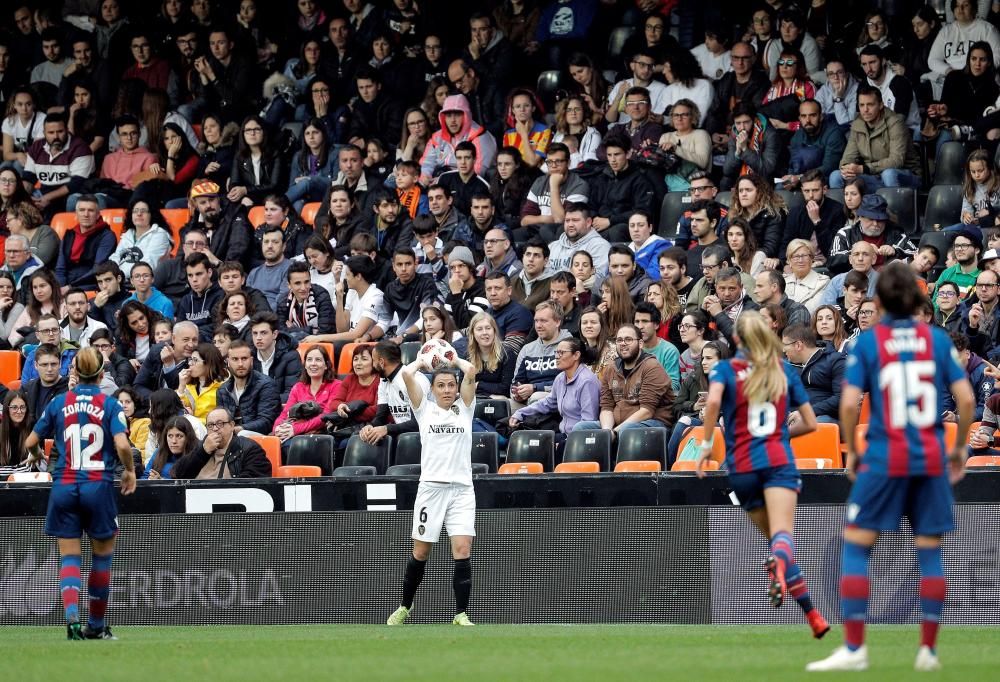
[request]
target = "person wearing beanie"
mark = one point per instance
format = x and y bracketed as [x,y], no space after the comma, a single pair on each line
[466,292]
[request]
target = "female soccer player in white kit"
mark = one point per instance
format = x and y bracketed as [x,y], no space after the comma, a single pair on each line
[445,495]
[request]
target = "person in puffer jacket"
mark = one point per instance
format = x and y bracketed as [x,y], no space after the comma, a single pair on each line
[456,126]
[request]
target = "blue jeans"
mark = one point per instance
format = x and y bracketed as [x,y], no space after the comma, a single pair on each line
[890,177]
[310,189]
[824,419]
[674,444]
[596,426]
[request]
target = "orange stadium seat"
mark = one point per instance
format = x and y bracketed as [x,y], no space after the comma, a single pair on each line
[256,215]
[814,463]
[61,222]
[14,385]
[718,445]
[346,355]
[983,461]
[176,218]
[327,348]
[309,212]
[272,448]
[691,465]
[521,468]
[578,468]
[10,367]
[115,218]
[30,477]
[635,466]
[824,442]
[298,471]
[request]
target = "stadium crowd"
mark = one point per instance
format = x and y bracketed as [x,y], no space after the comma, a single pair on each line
[251,208]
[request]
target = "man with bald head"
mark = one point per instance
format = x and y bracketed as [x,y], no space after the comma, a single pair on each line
[500,254]
[165,361]
[486,101]
[862,259]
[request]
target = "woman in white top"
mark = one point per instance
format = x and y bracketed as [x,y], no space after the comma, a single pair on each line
[22,125]
[803,284]
[741,242]
[145,239]
[573,116]
[445,494]
[686,81]
[692,144]
[324,268]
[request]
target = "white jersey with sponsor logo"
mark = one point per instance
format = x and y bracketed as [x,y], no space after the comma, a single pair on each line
[446,440]
[392,392]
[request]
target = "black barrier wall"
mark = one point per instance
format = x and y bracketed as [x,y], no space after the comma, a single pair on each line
[627,565]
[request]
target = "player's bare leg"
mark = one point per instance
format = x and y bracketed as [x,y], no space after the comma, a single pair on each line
[70,582]
[461,550]
[411,581]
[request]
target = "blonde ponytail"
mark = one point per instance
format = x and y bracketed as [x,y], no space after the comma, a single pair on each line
[766,382]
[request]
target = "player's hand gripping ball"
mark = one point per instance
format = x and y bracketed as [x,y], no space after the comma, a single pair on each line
[437,353]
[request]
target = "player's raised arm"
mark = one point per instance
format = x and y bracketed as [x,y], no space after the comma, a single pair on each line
[412,387]
[965,404]
[469,383]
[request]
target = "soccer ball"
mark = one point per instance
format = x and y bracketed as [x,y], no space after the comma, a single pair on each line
[438,353]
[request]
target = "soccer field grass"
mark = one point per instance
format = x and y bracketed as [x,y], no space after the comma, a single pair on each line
[486,652]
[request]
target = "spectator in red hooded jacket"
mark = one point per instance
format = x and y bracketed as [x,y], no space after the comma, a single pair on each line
[456,126]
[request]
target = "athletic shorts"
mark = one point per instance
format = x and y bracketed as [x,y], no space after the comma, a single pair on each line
[452,505]
[878,502]
[77,507]
[749,487]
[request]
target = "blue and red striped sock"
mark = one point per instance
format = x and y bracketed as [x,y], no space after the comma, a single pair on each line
[932,593]
[99,589]
[854,589]
[69,586]
[783,548]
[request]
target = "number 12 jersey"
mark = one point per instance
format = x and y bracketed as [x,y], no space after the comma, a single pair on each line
[83,423]
[907,369]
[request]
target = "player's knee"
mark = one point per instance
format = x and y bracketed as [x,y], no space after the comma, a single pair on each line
[421,550]
[461,549]
[860,536]
[927,541]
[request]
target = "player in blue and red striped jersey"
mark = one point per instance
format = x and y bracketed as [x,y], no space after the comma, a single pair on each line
[756,391]
[90,432]
[908,368]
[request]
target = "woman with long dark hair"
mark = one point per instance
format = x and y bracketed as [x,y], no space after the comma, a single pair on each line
[595,332]
[764,211]
[216,151]
[588,82]
[178,162]
[84,118]
[314,165]
[135,329]
[258,169]
[146,237]
[529,136]
[510,183]
[176,440]
[691,398]
[15,426]
[342,222]
[438,324]
[416,132]
[740,239]
[323,264]
[136,411]
[43,297]
[199,382]
[165,404]
[317,383]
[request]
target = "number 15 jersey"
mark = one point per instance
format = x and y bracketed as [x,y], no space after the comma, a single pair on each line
[907,369]
[83,423]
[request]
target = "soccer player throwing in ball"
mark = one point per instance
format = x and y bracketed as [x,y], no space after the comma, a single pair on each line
[445,495]
[90,431]
[907,368]
[755,392]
